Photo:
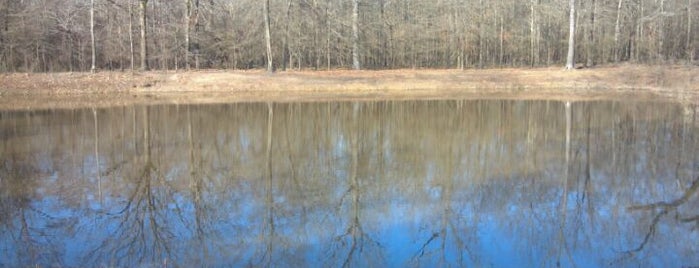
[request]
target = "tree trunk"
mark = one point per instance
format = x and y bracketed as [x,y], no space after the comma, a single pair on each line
[268,37]
[690,49]
[144,47]
[355,35]
[6,17]
[481,34]
[591,36]
[617,31]
[640,37]
[4,62]
[383,35]
[661,31]
[501,55]
[570,60]
[5,27]
[532,34]
[327,34]
[187,23]
[131,46]
[285,41]
[92,33]
[191,20]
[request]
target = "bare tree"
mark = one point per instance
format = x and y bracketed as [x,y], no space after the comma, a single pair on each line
[144,45]
[570,60]
[590,47]
[533,37]
[3,32]
[268,37]
[355,35]
[92,33]
[191,19]
[285,39]
[481,33]
[661,32]
[690,49]
[617,31]
[131,46]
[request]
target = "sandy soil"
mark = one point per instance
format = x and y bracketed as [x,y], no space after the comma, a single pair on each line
[20,91]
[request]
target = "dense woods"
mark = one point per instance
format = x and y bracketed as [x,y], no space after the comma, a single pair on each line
[57,35]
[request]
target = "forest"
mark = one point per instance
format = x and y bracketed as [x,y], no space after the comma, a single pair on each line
[84,35]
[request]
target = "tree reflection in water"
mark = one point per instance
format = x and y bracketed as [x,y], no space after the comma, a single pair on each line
[139,232]
[435,183]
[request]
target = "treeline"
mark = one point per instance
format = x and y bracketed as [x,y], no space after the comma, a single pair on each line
[55,35]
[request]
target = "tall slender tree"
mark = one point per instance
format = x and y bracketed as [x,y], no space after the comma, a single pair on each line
[92,34]
[690,49]
[532,34]
[3,31]
[131,46]
[191,20]
[285,39]
[661,32]
[355,35]
[268,36]
[187,26]
[590,46]
[481,33]
[570,59]
[144,43]
[617,30]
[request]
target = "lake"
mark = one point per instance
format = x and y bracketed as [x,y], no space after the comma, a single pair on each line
[503,183]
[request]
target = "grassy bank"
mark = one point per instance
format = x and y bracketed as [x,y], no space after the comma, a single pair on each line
[75,90]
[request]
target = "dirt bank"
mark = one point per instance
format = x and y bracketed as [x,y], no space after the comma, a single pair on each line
[75,90]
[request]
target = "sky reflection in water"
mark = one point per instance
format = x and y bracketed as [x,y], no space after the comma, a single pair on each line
[431,183]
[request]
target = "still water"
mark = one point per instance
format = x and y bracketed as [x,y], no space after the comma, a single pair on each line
[369,184]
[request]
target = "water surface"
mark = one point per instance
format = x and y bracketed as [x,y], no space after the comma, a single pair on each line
[365,184]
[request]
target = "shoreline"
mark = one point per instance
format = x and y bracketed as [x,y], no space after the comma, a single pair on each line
[19,91]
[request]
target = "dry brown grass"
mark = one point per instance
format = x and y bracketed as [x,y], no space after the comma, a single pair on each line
[72,90]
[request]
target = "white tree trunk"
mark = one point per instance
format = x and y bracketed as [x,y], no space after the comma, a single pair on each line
[570,61]
[92,33]
[355,35]
[532,33]
[144,47]
[268,37]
